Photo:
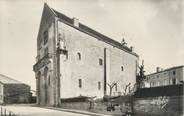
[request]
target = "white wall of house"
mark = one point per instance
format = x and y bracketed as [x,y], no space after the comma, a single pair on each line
[88,69]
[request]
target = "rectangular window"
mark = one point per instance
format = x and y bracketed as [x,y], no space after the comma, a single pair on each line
[80,83]
[100,61]
[153,84]
[174,81]
[174,73]
[158,83]
[99,85]
[45,36]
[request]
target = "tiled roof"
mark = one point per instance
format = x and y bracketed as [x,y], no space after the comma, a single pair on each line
[88,30]
[7,80]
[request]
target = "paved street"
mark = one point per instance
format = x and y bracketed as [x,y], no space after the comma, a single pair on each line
[22,110]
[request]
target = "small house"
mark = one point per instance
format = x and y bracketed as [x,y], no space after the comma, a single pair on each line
[13,91]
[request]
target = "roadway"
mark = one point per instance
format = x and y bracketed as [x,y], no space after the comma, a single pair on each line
[24,110]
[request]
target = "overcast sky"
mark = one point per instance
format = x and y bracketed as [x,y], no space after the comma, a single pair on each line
[153,27]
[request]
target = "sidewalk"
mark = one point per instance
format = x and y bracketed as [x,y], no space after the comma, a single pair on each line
[77,111]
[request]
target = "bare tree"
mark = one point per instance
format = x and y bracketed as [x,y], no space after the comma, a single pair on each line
[125,88]
[111,86]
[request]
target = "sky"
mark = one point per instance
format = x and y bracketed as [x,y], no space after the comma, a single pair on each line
[153,27]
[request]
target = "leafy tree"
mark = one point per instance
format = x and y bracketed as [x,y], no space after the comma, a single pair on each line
[141,76]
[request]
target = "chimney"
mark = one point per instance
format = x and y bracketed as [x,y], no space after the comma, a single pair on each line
[131,48]
[76,22]
[158,69]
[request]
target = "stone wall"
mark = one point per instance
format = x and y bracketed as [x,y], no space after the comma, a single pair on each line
[88,69]
[46,81]
[160,101]
[76,105]
[16,93]
[159,106]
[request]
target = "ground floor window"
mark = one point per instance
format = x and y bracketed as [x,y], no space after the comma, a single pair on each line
[174,81]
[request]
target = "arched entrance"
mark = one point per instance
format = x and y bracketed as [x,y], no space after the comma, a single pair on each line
[38,87]
[45,85]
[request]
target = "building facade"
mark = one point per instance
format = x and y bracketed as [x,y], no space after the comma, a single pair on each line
[13,91]
[74,60]
[170,76]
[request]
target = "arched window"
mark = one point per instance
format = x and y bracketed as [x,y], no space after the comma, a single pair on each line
[45,71]
[122,68]
[79,55]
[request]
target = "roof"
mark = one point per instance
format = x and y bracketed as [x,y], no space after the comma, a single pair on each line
[175,67]
[69,21]
[7,80]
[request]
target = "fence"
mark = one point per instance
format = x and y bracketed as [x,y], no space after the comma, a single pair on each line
[170,90]
[5,112]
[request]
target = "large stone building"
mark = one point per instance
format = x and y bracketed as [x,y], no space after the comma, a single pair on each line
[75,60]
[170,76]
[13,91]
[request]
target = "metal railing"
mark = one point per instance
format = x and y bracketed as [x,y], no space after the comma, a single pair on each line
[5,112]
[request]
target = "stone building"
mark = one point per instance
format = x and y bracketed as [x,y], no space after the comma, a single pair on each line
[170,76]
[75,60]
[13,91]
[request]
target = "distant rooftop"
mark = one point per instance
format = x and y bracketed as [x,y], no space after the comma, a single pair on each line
[7,80]
[171,68]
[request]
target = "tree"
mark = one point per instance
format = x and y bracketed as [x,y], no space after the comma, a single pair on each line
[125,88]
[111,86]
[141,76]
